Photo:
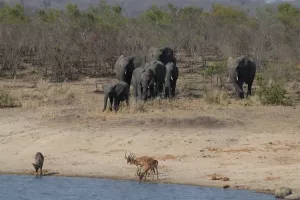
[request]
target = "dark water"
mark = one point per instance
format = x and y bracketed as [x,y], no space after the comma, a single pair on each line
[13,187]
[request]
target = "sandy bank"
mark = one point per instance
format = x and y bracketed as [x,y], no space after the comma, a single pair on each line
[252,157]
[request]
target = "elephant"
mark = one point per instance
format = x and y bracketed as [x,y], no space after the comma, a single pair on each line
[171,79]
[116,93]
[142,83]
[163,55]
[147,84]
[124,67]
[241,70]
[159,70]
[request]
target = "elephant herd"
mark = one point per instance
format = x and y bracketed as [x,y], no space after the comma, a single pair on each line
[153,76]
[156,75]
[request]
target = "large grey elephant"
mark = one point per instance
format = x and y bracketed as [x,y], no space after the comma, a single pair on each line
[116,93]
[171,79]
[159,70]
[164,55]
[124,67]
[142,83]
[241,70]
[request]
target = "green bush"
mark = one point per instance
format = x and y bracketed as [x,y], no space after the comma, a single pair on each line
[272,93]
[7,101]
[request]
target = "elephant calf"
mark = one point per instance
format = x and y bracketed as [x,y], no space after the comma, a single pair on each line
[143,83]
[241,70]
[116,93]
[147,84]
[171,79]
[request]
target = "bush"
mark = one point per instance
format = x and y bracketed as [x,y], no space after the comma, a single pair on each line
[273,93]
[7,101]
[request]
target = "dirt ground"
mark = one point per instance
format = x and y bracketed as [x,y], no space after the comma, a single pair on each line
[255,146]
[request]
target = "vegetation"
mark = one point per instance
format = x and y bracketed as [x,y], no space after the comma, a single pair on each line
[71,43]
[7,101]
[272,93]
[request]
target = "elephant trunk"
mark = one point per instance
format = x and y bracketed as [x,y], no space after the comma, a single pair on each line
[167,87]
[105,102]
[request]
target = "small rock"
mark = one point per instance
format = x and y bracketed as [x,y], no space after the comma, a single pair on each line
[282,192]
[293,197]
[226,186]
[214,178]
[225,179]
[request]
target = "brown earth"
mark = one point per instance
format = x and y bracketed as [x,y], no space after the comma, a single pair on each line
[255,146]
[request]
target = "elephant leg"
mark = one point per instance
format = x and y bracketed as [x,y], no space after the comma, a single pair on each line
[117,104]
[149,92]
[160,89]
[241,93]
[167,92]
[126,99]
[249,93]
[145,94]
[136,93]
[139,92]
[238,89]
[111,100]
[173,87]
[154,90]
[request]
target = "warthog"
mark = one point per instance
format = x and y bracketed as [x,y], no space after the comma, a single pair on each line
[39,161]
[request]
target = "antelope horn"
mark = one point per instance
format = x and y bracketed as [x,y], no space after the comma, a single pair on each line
[125,154]
[132,155]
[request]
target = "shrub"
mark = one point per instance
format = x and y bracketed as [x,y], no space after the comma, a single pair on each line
[7,101]
[273,93]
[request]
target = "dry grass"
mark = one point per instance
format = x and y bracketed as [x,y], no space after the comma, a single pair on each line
[45,93]
[217,97]
[272,178]
[7,100]
[166,157]
[193,97]
[219,150]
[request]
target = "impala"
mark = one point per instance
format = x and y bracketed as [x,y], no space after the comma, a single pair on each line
[140,162]
[151,165]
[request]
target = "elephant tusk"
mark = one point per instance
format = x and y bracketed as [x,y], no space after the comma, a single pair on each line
[171,78]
